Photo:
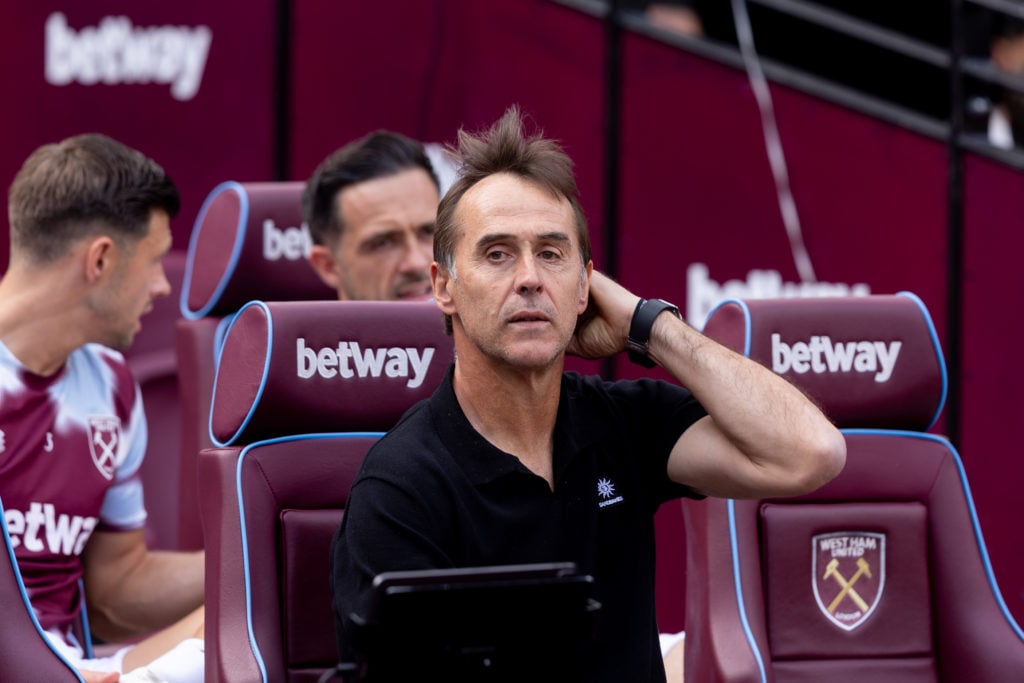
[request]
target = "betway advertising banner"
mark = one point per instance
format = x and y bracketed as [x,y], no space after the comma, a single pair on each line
[188,83]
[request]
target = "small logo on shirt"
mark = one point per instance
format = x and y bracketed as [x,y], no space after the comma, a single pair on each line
[606,489]
[104,437]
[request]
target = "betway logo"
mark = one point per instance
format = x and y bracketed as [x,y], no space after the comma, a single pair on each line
[40,528]
[348,360]
[820,354]
[290,243]
[703,293]
[116,52]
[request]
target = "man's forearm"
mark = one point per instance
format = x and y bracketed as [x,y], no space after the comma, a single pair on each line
[791,445]
[160,590]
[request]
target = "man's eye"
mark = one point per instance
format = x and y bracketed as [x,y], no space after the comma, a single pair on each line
[379,243]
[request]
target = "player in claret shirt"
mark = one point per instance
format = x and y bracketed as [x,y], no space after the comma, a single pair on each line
[89,225]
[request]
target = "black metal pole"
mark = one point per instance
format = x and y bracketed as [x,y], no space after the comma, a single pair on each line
[955,231]
[281,92]
[612,133]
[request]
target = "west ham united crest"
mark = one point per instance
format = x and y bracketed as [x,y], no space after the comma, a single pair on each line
[848,575]
[104,437]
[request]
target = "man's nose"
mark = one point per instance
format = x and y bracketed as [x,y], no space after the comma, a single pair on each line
[527,275]
[161,286]
[417,256]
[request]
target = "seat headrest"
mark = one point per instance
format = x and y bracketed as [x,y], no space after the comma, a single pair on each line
[249,242]
[869,361]
[300,367]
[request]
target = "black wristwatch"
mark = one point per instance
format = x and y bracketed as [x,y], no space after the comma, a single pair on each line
[639,339]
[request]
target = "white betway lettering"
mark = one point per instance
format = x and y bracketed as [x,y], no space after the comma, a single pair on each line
[116,52]
[819,354]
[703,293]
[63,534]
[290,243]
[348,360]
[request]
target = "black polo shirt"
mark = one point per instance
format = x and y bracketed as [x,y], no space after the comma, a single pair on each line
[433,493]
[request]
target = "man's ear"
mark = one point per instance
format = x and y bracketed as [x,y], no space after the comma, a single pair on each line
[584,288]
[322,260]
[441,281]
[100,258]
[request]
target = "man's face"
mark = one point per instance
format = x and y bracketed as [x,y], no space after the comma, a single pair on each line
[1008,53]
[519,283]
[136,280]
[387,239]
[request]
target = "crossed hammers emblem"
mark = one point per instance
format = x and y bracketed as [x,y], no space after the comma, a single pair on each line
[831,569]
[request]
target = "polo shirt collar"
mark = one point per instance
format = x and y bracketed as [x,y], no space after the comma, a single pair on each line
[479,458]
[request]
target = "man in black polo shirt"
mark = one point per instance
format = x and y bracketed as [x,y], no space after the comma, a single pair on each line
[513,461]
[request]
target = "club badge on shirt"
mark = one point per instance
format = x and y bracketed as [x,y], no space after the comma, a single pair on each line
[104,439]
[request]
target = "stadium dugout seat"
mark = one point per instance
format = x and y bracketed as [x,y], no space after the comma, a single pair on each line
[25,653]
[302,391]
[248,243]
[153,360]
[880,575]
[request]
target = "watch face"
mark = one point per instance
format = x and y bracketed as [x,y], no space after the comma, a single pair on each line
[670,307]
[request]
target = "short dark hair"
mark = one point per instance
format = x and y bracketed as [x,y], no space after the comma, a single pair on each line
[506,148]
[1007,25]
[377,155]
[81,185]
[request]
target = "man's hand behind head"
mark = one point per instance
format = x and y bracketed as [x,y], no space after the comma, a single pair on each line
[602,328]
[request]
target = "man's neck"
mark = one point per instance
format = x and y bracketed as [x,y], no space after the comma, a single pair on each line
[36,325]
[514,409]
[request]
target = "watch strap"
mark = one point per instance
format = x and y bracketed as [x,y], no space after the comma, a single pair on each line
[638,341]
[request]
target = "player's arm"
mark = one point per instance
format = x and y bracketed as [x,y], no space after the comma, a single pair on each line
[132,590]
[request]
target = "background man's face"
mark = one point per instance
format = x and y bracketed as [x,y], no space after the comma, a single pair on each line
[387,239]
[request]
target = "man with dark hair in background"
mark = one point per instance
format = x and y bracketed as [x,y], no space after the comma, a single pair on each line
[89,224]
[370,207]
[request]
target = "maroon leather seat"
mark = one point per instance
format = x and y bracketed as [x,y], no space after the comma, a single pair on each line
[880,575]
[302,391]
[248,243]
[25,653]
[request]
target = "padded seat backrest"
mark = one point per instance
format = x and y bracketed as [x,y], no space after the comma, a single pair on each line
[882,573]
[302,391]
[248,242]
[25,653]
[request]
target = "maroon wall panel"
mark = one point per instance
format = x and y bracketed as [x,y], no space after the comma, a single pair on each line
[993,374]
[65,71]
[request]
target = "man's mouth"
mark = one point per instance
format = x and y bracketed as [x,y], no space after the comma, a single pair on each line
[528,317]
[419,291]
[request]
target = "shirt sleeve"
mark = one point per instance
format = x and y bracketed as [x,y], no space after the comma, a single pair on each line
[656,413]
